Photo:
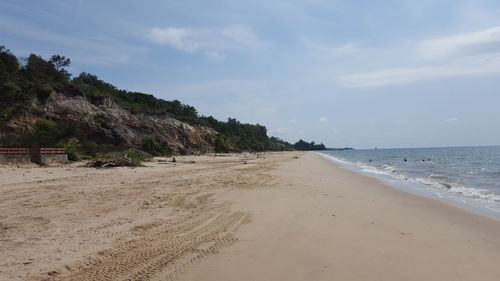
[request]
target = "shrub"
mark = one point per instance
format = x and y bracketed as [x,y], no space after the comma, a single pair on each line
[12,100]
[220,146]
[135,156]
[7,113]
[71,151]
[43,91]
[89,148]
[51,133]
[154,146]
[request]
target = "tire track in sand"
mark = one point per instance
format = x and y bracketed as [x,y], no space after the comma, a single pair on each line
[161,252]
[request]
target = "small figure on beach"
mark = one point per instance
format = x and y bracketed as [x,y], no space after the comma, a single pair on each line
[173,160]
[405,160]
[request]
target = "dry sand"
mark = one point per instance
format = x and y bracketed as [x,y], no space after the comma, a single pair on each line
[288,216]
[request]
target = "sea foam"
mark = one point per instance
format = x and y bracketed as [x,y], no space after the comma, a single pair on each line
[435,185]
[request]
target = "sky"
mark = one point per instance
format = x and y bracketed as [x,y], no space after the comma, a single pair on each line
[352,73]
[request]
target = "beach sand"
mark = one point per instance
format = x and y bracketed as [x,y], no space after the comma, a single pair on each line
[275,216]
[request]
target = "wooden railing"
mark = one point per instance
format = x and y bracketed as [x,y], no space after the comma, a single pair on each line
[14,150]
[48,151]
[37,151]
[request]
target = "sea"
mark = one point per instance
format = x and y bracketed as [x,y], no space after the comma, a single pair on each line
[467,177]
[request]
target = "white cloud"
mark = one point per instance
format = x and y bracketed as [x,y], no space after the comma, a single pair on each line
[209,41]
[293,120]
[473,53]
[323,119]
[178,38]
[452,119]
[479,42]
[394,76]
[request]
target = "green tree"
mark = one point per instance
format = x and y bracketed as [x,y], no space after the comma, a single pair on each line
[52,72]
[60,63]
[9,65]
[12,98]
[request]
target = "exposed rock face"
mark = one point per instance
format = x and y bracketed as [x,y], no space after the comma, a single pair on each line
[110,124]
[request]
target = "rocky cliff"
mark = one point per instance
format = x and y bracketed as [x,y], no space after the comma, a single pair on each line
[41,105]
[108,124]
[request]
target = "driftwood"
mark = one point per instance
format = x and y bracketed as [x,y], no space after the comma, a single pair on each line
[111,163]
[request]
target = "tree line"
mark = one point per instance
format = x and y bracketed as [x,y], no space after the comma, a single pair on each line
[23,79]
[303,145]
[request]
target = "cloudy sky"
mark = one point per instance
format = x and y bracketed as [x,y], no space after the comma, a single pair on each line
[398,73]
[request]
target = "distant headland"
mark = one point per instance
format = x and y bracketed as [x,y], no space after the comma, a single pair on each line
[340,149]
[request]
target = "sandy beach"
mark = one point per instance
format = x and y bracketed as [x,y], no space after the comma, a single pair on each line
[272,216]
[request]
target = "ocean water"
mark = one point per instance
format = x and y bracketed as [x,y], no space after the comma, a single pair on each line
[468,177]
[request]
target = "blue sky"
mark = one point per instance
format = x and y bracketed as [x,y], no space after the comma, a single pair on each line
[347,73]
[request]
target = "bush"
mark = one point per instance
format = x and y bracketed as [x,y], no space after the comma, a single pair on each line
[7,113]
[9,88]
[154,146]
[71,151]
[51,133]
[220,146]
[43,91]
[135,156]
[12,100]
[89,148]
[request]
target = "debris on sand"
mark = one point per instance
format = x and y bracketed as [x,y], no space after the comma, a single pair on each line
[111,163]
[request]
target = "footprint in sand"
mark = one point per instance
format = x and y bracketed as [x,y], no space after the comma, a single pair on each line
[404,234]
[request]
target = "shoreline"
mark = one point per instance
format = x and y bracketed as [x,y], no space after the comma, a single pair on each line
[417,188]
[382,182]
[280,216]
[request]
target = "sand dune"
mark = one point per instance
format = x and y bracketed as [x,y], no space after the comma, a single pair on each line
[288,216]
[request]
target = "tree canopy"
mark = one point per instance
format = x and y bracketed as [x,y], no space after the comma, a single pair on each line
[303,145]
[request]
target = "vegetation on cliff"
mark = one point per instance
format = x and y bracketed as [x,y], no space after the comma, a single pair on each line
[24,81]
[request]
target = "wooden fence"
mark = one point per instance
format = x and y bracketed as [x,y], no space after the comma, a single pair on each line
[48,151]
[14,151]
[37,151]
